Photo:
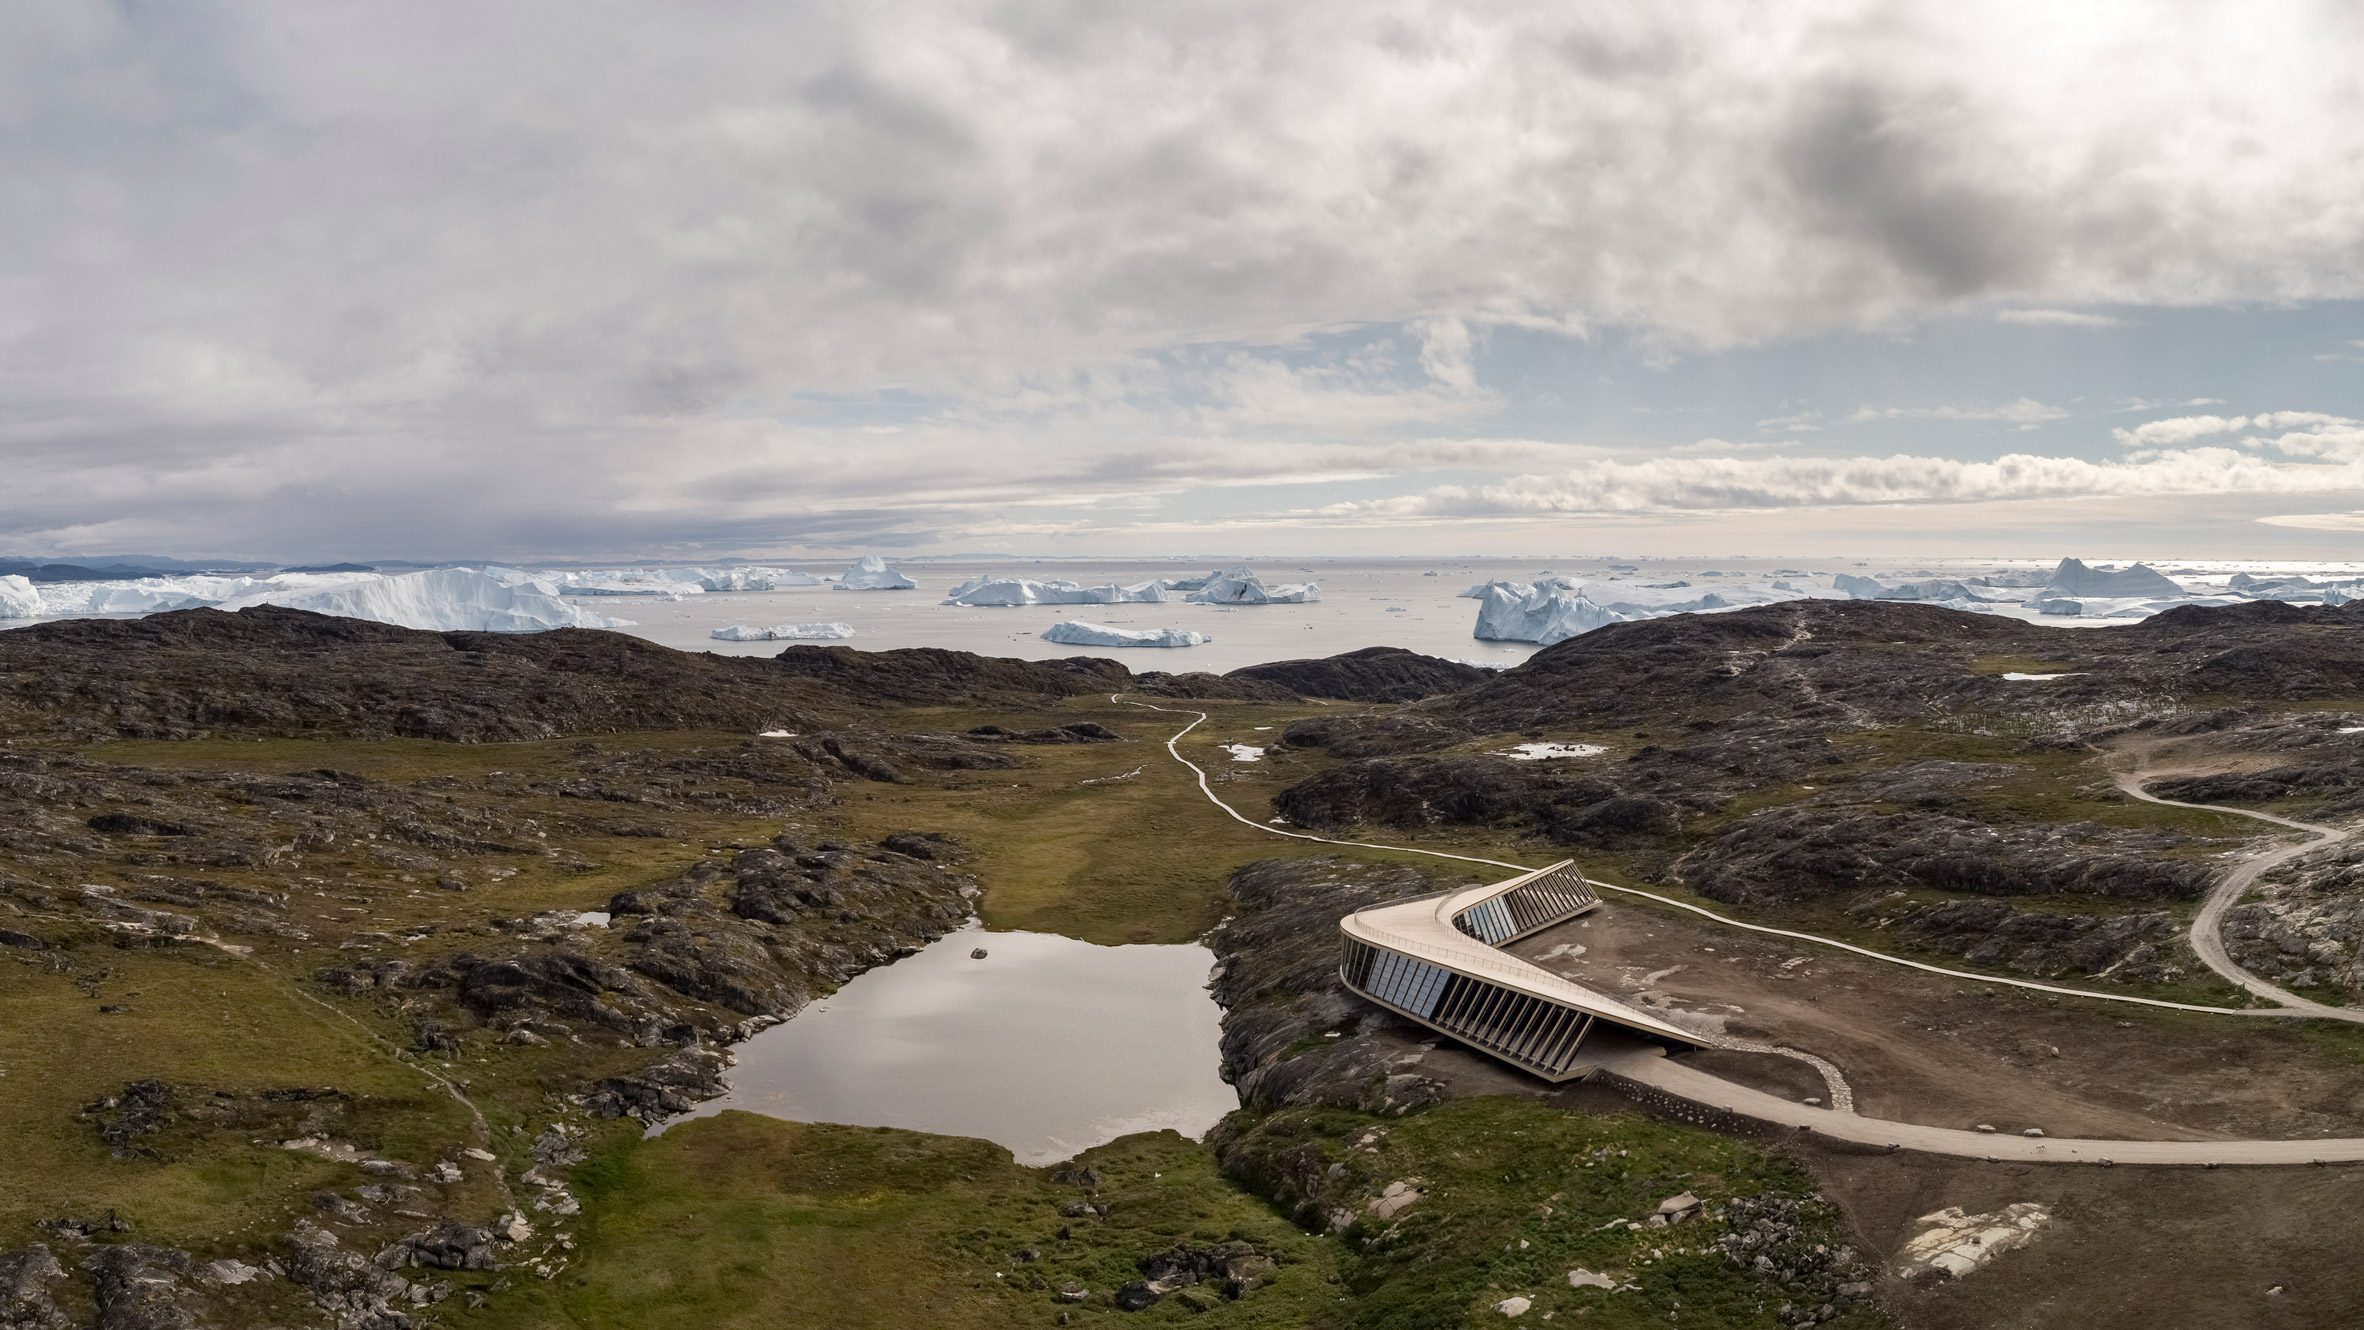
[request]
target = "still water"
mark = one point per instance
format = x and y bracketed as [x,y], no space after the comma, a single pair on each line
[1048,1046]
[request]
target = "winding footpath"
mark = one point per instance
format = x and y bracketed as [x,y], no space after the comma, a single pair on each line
[2208,926]
[1647,1066]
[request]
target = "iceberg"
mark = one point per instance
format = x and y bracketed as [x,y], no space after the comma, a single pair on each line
[1237,585]
[1077,633]
[871,573]
[1861,588]
[752,578]
[1936,590]
[18,598]
[991,590]
[2074,578]
[786,632]
[679,581]
[443,600]
[1546,612]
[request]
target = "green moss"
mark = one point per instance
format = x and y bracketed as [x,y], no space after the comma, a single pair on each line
[1518,1193]
[743,1221]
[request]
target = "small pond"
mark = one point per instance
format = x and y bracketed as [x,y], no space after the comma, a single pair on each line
[1047,1045]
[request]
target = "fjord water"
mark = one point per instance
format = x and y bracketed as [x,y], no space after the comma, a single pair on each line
[1046,1045]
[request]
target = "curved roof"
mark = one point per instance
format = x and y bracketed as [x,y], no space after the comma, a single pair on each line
[1423,927]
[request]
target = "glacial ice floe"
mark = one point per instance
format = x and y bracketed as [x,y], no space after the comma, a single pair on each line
[19,598]
[2074,578]
[674,582]
[1077,633]
[1549,611]
[786,632]
[480,600]
[994,590]
[1239,585]
[871,573]
[439,600]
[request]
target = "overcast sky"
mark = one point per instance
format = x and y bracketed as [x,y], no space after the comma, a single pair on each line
[579,279]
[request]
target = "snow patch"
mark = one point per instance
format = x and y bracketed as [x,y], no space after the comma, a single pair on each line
[1956,1243]
[2017,676]
[1543,752]
[1244,752]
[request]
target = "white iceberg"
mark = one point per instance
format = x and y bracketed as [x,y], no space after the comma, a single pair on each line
[2074,578]
[1546,612]
[992,590]
[19,598]
[677,582]
[786,632]
[752,578]
[1862,588]
[1077,633]
[445,600]
[871,573]
[1237,585]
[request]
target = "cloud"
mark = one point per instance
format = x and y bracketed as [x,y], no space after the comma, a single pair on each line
[2057,318]
[2025,413]
[1718,484]
[2176,430]
[278,276]
[2309,434]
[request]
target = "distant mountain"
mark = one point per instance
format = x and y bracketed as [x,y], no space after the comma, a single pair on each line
[332,568]
[114,567]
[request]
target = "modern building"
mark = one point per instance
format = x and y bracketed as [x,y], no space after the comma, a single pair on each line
[1436,960]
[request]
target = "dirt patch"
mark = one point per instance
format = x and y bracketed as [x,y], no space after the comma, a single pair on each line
[2183,1247]
[1922,1048]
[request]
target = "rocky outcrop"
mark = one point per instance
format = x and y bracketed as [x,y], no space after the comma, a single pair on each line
[139,1287]
[1421,794]
[931,676]
[446,1246]
[1373,674]
[138,1110]
[662,1089]
[1292,1034]
[1781,1240]
[356,1292]
[26,1280]
[1784,855]
[2146,947]
[2306,928]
